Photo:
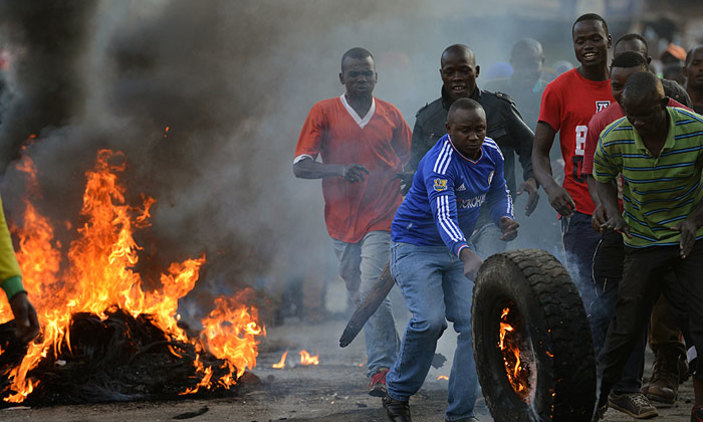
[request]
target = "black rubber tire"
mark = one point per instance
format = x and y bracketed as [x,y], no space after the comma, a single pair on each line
[556,332]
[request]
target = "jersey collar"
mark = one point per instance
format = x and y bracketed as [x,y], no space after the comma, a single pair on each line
[361,121]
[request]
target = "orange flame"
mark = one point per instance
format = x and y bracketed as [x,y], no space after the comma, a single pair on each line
[306,359]
[515,368]
[99,274]
[443,377]
[282,363]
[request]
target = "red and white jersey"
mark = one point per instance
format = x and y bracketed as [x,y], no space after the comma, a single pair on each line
[568,102]
[380,141]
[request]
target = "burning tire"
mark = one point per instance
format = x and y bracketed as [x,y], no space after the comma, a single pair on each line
[532,340]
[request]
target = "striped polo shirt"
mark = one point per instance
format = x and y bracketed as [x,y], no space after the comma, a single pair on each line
[658,192]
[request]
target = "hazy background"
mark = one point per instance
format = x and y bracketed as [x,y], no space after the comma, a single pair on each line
[234,81]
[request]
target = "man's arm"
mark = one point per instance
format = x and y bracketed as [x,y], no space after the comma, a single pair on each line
[307,168]
[688,229]
[524,138]
[559,198]
[608,194]
[500,203]
[26,321]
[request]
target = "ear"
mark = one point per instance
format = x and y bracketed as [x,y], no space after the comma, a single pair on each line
[610,40]
[446,125]
[478,70]
[341,78]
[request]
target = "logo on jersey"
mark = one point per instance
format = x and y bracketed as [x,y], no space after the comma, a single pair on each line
[461,188]
[490,178]
[601,105]
[440,185]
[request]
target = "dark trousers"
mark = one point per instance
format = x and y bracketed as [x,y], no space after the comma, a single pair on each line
[607,274]
[644,279]
[580,241]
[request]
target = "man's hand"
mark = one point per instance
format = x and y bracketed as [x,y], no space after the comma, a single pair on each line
[26,322]
[354,173]
[688,236]
[618,224]
[599,218]
[561,201]
[529,186]
[509,228]
[472,263]
[406,180]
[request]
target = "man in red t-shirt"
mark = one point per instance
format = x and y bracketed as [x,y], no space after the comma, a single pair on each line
[567,105]
[363,142]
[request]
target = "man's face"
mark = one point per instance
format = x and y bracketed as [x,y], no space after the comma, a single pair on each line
[591,43]
[467,129]
[647,113]
[618,77]
[459,72]
[527,66]
[694,70]
[358,76]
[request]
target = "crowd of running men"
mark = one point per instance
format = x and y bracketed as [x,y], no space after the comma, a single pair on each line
[433,202]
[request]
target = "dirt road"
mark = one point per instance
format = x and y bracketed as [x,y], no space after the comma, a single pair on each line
[333,391]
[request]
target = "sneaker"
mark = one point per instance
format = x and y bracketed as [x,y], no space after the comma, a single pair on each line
[377,388]
[634,404]
[668,371]
[697,414]
[397,410]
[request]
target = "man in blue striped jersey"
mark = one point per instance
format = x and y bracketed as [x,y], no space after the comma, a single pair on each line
[659,151]
[432,261]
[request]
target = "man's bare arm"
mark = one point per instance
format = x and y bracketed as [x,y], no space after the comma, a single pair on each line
[559,198]
[308,168]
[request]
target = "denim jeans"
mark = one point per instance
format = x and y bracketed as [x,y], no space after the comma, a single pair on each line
[580,241]
[435,289]
[486,240]
[486,236]
[360,264]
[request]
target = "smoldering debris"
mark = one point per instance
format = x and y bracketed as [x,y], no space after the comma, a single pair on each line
[120,358]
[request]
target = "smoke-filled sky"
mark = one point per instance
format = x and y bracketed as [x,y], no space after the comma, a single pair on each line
[233,81]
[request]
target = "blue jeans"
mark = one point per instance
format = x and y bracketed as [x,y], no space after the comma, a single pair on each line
[580,242]
[360,264]
[435,289]
[486,240]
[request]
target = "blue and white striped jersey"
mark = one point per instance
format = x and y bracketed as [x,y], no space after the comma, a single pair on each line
[447,192]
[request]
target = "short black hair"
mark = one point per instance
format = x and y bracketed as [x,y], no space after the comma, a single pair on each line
[630,59]
[641,84]
[458,49]
[463,104]
[590,17]
[356,53]
[631,37]
[689,55]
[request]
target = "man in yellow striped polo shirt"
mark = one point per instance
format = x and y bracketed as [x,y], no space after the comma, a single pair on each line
[659,152]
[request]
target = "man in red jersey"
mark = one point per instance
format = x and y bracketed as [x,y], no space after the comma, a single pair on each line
[567,105]
[363,142]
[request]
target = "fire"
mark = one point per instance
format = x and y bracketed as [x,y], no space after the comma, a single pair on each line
[282,363]
[97,273]
[442,377]
[516,368]
[306,359]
